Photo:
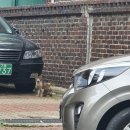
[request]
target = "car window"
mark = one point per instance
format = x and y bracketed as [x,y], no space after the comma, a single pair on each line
[4,27]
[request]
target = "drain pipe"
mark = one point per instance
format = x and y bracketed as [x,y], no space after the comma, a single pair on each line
[89,31]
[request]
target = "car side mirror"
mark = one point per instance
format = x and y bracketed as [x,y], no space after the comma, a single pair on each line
[16,30]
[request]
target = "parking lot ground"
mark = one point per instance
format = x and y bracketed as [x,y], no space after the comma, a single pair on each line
[16,105]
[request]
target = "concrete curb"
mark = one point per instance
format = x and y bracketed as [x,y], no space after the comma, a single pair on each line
[32,124]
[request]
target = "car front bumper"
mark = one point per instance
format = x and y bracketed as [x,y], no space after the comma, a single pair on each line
[23,71]
[91,113]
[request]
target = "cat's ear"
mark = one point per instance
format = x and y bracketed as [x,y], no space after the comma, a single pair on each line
[40,77]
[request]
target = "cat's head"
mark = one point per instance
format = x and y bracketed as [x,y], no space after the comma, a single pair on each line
[39,79]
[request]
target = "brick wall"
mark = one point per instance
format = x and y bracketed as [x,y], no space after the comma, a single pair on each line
[72,33]
[111,35]
[111,29]
[62,39]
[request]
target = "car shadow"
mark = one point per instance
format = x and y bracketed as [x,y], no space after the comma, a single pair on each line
[10,90]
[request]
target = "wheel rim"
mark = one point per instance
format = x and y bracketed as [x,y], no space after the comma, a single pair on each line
[127,127]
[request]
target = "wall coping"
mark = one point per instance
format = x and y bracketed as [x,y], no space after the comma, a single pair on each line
[68,8]
[41,10]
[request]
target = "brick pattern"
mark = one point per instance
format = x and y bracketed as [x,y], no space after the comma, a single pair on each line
[61,31]
[63,42]
[111,36]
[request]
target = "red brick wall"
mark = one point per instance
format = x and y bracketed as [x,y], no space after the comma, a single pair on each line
[111,35]
[111,29]
[62,31]
[63,42]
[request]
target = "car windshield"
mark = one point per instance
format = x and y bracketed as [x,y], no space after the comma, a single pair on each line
[4,27]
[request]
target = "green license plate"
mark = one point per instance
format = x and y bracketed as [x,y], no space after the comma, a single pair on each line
[5,69]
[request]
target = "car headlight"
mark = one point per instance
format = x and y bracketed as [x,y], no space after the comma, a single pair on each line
[32,54]
[96,75]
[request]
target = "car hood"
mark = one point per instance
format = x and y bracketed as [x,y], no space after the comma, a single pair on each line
[104,62]
[15,42]
[11,42]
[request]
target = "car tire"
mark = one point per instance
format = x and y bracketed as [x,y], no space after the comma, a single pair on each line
[25,87]
[120,121]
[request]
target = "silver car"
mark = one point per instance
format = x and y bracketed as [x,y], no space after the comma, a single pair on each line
[99,96]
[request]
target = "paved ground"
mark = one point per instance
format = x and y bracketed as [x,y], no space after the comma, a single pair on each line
[15,105]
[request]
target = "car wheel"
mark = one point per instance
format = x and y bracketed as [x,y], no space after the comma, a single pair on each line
[120,121]
[25,87]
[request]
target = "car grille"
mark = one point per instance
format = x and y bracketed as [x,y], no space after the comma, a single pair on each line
[9,55]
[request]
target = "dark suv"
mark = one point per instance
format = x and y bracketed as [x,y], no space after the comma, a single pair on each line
[20,59]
